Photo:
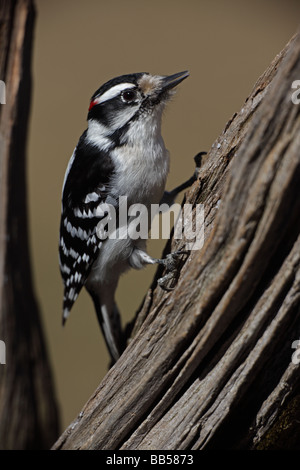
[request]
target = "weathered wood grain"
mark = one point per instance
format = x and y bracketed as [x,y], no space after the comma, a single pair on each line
[28,413]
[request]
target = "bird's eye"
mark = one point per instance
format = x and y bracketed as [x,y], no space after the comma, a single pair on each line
[128,96]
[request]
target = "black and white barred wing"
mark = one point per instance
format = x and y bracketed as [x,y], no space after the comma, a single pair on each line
[84,192]
[79,247]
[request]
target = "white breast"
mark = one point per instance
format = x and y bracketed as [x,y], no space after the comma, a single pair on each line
[142,165]
[141,169]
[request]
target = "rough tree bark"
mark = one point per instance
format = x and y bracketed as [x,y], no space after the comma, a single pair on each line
[209,363]
[28,414]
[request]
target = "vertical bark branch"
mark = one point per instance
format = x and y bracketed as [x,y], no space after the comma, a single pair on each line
[28,414]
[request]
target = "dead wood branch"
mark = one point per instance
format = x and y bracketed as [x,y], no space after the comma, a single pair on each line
[28,415]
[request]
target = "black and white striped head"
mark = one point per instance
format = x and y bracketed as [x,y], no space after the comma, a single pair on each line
[137,97]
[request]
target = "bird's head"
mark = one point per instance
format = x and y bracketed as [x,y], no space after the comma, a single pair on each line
[135,98]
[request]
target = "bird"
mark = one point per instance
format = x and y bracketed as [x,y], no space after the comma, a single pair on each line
[121,154]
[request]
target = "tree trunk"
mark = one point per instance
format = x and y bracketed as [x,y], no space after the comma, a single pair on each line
[208,365]
[28,414]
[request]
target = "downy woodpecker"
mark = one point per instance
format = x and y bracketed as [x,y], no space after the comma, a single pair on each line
[121,153]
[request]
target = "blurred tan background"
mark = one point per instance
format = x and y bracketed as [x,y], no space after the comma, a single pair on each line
[80,44]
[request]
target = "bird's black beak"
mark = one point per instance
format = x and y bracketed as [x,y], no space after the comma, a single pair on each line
[171,81]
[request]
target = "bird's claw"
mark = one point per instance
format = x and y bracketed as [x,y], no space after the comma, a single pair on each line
[170,262]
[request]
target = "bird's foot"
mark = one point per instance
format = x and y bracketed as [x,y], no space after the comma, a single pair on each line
[171,263]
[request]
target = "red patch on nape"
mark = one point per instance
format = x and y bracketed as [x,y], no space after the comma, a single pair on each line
[92,103]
